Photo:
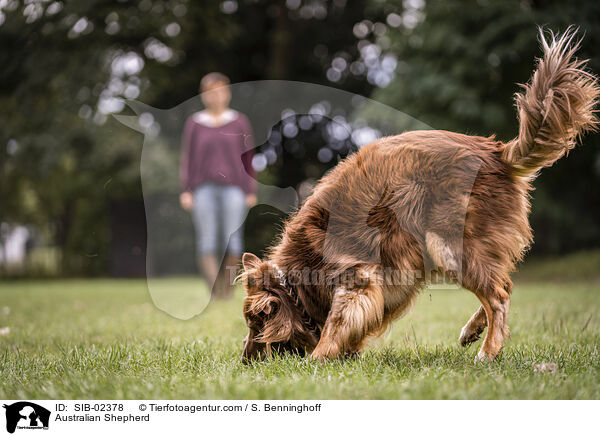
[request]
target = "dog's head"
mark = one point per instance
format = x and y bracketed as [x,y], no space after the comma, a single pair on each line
[273,320]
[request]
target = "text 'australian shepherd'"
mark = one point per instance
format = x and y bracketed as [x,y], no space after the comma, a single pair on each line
[355,255]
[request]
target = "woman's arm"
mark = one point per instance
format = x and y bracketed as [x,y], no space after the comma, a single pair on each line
[186,198]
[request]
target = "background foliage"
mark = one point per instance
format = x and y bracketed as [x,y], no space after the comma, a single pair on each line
[71,171]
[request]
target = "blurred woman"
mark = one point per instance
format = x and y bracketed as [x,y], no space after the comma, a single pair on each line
[217,181]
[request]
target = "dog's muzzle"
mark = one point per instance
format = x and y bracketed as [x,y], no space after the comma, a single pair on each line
[253,350]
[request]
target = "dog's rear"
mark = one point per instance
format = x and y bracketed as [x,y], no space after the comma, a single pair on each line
[554,109]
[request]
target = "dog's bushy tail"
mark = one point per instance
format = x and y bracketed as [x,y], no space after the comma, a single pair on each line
[555,107]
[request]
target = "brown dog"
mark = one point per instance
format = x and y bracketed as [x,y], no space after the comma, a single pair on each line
[356,254]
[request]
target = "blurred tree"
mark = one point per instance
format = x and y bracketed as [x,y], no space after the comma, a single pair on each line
[70,169]
[66,66]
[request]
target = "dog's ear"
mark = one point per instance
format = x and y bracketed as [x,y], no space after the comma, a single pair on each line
[262,302]
[279,322]
[250,261]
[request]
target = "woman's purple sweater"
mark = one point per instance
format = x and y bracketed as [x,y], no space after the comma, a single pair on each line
[221,154]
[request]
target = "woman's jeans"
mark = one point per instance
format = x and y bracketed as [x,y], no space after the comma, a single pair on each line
[219,213]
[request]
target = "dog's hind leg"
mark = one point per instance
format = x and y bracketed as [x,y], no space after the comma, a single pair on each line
[477,323]
[496,303]
[354,314]
[473,328]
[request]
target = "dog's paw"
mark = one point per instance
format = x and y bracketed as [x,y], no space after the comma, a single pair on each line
[325,351]
[319,355]
[483,358]
[468,336]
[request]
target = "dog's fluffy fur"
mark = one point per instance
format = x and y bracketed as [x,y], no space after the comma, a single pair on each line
[419,201]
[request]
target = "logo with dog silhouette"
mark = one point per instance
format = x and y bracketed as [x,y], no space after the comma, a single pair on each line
[26,415]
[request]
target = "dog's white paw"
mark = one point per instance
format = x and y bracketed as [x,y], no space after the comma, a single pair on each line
[469,335]
[483,357]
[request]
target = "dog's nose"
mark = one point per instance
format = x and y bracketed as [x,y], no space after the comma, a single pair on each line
[249,352]
[245,357]
[253,351]
[250,358]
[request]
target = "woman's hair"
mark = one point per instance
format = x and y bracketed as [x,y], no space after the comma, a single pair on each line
[211,78]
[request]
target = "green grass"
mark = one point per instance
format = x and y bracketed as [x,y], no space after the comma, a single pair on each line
[84,339]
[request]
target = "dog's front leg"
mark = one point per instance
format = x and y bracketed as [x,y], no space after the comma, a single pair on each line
[354,314]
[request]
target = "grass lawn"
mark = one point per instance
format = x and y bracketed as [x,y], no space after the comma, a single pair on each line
[85,339]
